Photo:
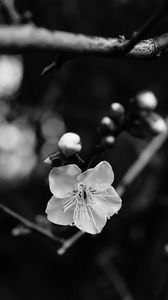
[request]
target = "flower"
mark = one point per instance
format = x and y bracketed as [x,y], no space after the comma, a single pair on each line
[85,200]
[69,144]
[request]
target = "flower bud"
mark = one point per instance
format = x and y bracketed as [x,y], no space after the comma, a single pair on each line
[117,113]
[156,124]
[107,126]
[69,144]
[11,75]
[108,141]
[117,110]
[145,100]
[20,230]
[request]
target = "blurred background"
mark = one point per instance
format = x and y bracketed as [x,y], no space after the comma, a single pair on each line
[129,259]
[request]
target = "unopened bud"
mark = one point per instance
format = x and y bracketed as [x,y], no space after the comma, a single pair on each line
[117,112]
[107,126]
[156,124]
[108,141]
[11,75]
[145,100]
[20,230]
[69,144]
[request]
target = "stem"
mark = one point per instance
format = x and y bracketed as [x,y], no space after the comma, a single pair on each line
[69,242]
[91,161]
[142,161]
[32,226]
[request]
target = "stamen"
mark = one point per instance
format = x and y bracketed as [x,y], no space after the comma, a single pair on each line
[91,216]
[79,215]
[69,203]
[76,211]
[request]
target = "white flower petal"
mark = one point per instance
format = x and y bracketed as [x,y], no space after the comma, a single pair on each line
[55,212]
[88,220]
[99,178]
[62,180]
[108,202]
[83,176]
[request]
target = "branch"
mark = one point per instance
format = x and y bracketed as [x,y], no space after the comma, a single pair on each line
[142,161]
[31,225]
[27,38]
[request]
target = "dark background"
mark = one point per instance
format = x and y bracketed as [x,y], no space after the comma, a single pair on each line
[128,260]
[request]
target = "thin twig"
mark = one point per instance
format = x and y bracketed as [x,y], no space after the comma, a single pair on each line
[27,38]
[142,161]
[117,281]
[69,242]
[137,167]
[140,34]
[31,225]
[12,14]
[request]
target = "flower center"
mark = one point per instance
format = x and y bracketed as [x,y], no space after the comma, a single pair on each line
[82,195]
[81,192]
